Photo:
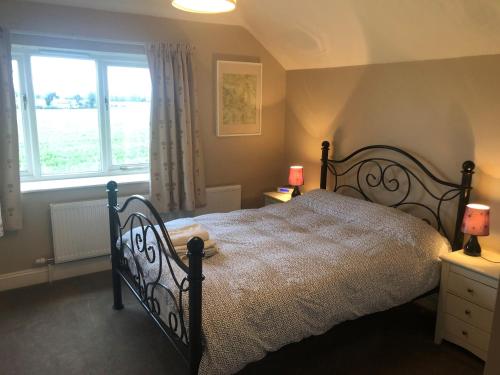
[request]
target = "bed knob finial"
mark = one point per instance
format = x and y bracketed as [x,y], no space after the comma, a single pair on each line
[468,166]
[325,144]
[195,246]
[111,185]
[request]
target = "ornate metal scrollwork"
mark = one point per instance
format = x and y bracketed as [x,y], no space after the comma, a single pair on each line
[143,256]
[377,176]
[145,249]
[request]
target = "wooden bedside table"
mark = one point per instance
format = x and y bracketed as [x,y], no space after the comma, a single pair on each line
[272,197]
[467,300]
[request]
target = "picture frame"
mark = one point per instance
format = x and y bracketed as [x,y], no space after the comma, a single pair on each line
[239,98]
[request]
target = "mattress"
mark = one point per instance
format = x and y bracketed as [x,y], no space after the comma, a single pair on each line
[288,271]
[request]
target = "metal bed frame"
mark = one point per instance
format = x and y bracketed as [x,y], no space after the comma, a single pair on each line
[369,174]
[374,172]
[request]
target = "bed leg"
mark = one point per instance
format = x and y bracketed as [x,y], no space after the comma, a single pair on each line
[112,189]
[117,289]
[195,277]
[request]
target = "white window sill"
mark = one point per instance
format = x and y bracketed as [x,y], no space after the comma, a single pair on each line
[73,183]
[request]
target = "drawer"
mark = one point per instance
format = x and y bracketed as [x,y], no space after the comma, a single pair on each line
[469,312]
[473,291]
[465,332]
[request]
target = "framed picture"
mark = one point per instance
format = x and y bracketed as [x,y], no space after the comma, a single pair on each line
[239,98]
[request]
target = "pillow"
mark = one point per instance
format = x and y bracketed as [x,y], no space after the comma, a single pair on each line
[388,220]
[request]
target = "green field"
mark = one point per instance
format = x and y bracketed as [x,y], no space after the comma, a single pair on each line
[69,139]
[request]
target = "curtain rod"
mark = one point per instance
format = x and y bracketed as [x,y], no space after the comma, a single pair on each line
[17,32]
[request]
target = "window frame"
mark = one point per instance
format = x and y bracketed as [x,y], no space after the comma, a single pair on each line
[23,93]
[22,54]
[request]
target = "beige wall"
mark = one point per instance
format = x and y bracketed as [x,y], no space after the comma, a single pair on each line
[254,162]
[445,111]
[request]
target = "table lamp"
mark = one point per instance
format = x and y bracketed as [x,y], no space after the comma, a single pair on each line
[476,222]
[296,178]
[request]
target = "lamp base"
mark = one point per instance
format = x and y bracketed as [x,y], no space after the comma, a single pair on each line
[295,191]
[472,247]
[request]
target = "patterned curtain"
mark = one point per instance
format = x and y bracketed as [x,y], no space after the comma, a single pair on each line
[10,193]
[177,165]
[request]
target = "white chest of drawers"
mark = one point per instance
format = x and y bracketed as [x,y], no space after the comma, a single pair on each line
[467,300]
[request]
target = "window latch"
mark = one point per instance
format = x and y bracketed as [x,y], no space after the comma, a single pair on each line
[106,103]
[127,167]
[25,102]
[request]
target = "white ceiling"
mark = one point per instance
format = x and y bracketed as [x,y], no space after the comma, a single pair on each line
[304,34]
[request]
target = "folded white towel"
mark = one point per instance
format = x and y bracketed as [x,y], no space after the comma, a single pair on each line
[182,230]
[182,235]
[209,249]
[182,249]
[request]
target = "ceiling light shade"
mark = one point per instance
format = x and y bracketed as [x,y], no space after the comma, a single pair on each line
[205,6]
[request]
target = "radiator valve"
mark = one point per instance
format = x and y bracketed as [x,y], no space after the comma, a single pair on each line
[44,261]
[41,261]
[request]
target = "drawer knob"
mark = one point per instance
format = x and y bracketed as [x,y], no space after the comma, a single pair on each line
[467,312]
[465,333]
[469,290]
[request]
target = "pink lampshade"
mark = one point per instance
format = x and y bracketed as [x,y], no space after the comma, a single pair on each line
[296,176]
[476,220]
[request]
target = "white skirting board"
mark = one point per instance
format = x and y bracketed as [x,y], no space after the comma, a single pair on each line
[55,272]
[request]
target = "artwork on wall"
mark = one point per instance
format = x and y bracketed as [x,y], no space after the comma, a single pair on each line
[239,98]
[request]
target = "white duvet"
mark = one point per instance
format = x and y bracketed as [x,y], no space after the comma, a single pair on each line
[289,271]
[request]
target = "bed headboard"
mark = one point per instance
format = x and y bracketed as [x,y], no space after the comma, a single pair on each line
[386,170]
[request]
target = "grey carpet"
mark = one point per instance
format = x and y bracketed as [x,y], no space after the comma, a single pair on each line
[68,327]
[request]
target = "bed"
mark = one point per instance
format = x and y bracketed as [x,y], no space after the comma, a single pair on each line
[288,271]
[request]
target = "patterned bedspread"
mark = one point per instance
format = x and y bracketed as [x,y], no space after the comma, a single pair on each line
[289,271]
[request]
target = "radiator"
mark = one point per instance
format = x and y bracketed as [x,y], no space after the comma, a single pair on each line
[80,230]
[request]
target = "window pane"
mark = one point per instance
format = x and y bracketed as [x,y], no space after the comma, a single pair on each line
[129,108]
[66,114]
[23,167]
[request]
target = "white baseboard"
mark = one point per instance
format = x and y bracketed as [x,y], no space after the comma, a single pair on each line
[24,278]
[54,272]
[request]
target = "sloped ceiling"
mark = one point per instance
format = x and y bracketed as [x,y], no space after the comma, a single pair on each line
[330,33]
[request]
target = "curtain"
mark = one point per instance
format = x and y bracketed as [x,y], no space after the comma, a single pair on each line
[177,165]
[10,189]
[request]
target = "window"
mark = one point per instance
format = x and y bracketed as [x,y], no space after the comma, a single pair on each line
[128,111]
[81,114]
